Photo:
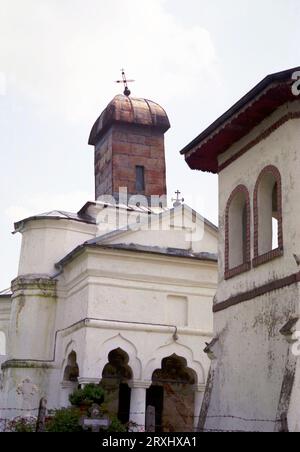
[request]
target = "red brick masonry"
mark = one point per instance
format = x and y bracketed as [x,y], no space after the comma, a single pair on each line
[231,272]
[272,254]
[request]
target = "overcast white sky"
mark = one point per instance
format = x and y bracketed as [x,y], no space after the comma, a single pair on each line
[58,63]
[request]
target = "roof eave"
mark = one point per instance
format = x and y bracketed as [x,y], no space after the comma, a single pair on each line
[254,92]
[271,93]
[205,257]
[20,223]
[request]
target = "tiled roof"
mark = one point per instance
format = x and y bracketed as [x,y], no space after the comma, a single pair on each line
[58,215]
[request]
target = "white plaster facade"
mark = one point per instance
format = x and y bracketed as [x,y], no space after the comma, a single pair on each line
[250,343]
[254,377]
[147,292]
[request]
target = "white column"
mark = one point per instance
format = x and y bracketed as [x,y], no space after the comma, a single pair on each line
[67,388]
[138,404]
[199,395]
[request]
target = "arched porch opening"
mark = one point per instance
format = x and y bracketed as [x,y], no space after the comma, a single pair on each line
[70,378]
[172,394]
[71,372]
[115,378]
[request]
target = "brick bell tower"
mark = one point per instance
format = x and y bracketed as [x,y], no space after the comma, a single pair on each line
[129,148]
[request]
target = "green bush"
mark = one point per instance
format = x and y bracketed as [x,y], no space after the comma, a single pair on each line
[22,425]
[88,395]
[64,420]
[116,426]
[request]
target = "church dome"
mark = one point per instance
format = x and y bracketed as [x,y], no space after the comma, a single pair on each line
[128,110]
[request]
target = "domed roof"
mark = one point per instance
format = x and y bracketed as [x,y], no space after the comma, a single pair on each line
[129,110]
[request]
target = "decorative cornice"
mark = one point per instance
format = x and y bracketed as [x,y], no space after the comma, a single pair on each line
[276,284]
[27,364]
[38,283]
[263,136]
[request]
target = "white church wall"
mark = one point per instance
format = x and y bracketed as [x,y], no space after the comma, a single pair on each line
[24,386]
[5,312]
[122,284]
[32,322]
[73,302]
[45,242]
[157,238]
[207,243]
[2,344]
[127,299]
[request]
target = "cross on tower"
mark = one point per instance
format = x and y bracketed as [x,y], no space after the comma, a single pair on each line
[177,201]
[124,80]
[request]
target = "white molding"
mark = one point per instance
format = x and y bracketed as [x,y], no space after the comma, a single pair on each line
[139,384]
[87,380]
[133,327]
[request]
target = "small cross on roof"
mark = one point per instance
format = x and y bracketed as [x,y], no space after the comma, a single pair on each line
[177,201]
[125,81]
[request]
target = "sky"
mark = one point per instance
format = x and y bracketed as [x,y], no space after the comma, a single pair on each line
[58,63]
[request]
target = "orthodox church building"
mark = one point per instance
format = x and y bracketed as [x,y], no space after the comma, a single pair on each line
[254,381]
[119,293]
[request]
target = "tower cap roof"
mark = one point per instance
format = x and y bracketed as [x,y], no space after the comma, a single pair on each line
[128,110]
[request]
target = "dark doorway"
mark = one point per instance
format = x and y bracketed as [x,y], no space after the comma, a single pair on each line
[124,403]
[115,377]
[155,397]
[176,384]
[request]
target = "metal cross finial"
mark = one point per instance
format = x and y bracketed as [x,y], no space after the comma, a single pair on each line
[124,80]
[177,201]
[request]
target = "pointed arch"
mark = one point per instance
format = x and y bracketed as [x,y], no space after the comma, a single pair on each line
[70,348]
[174,349]
[119,342]
[71,370]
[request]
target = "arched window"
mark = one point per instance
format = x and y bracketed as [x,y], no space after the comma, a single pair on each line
[2,344]
[237,233]
[268,238]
